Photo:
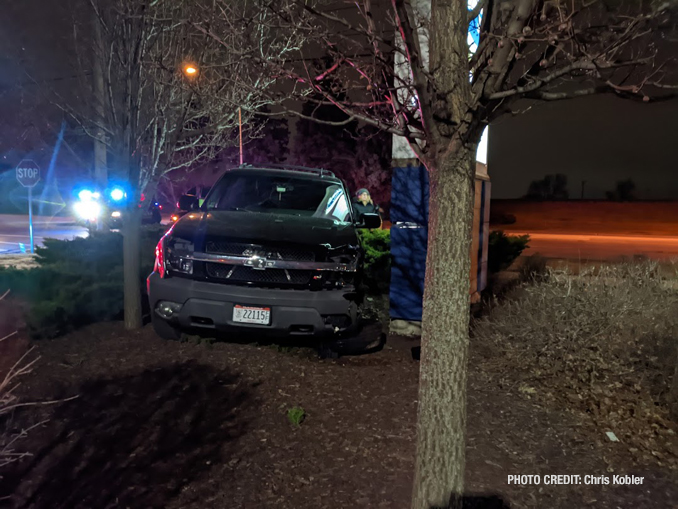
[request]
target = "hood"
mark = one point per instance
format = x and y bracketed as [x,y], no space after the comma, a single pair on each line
[259,228]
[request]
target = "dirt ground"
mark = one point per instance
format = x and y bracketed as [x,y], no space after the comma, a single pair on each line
[197,425]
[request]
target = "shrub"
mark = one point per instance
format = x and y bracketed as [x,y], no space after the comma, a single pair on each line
[77,282]
[502,250]
[377,245]
[16,364]
[601,344]
[533,268]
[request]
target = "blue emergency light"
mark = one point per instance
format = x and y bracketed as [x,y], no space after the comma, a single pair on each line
[117,194]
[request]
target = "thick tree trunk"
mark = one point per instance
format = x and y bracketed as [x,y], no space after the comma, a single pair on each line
[100,150]
[132,268]
[439,473]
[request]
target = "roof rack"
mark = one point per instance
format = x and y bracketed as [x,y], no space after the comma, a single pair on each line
[316,171]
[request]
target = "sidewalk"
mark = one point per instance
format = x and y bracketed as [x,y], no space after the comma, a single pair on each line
[20,220]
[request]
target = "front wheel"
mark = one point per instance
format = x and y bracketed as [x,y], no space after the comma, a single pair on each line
[164,329]
[369,337]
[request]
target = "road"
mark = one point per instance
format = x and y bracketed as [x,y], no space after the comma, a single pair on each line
[600,247]
[14,231]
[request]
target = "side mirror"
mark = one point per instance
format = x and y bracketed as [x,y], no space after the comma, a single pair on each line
[188,202]
[370,221]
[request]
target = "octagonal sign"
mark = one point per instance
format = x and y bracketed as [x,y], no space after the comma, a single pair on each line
[28,173]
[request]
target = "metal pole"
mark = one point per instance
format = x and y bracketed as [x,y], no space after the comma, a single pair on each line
[240,123]
[30,217]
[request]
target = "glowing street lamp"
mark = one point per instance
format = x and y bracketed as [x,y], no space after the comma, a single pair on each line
[190,70]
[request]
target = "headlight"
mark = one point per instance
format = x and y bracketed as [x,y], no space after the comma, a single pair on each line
[87,210]
[348,255]
[345,259]
[115,213]
[341,278]
[178,252]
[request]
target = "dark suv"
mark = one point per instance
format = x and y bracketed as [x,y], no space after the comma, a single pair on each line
[271,250]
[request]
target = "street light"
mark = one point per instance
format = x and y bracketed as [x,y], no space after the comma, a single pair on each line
[190,70]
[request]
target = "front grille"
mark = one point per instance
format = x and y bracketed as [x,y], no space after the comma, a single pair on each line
[291,254]
[242,274]
[227,248]
[219,270]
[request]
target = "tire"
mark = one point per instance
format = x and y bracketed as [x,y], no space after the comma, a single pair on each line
[164,329]
[368,338]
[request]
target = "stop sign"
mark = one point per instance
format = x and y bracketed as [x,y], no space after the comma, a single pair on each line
[28,173]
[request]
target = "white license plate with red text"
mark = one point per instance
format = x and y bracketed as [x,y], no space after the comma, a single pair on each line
[250,314]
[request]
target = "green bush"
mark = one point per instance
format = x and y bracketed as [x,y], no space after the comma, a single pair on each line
[377,245]
[77,281]
[502,250]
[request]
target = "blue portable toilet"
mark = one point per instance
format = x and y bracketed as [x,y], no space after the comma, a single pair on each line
[409,239]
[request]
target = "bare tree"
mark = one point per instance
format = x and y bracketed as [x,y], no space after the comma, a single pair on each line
[551,187]
[406,67]
[166,95]
[625,190]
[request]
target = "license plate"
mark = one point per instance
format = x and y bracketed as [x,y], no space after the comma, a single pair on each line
[249,314]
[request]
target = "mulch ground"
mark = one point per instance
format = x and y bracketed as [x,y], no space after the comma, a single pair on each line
[194,425]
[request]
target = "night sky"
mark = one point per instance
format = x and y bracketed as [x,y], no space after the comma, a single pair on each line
[598,139]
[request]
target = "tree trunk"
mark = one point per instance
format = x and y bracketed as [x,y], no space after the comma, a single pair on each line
[439,472]
[132,267]
[100,149]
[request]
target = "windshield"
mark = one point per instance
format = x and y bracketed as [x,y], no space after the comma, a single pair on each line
[272,194]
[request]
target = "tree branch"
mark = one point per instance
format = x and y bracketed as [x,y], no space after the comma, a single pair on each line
[346,24]
[410,38]
[495,73]
[560,96]
[473,14]
[540,82]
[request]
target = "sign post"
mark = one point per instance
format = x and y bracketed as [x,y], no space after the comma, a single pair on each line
[28,175]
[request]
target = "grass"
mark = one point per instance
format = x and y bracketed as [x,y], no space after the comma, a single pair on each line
[602,344]
[296,415]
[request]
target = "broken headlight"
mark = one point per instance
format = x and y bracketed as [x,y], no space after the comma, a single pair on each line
[178,255]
